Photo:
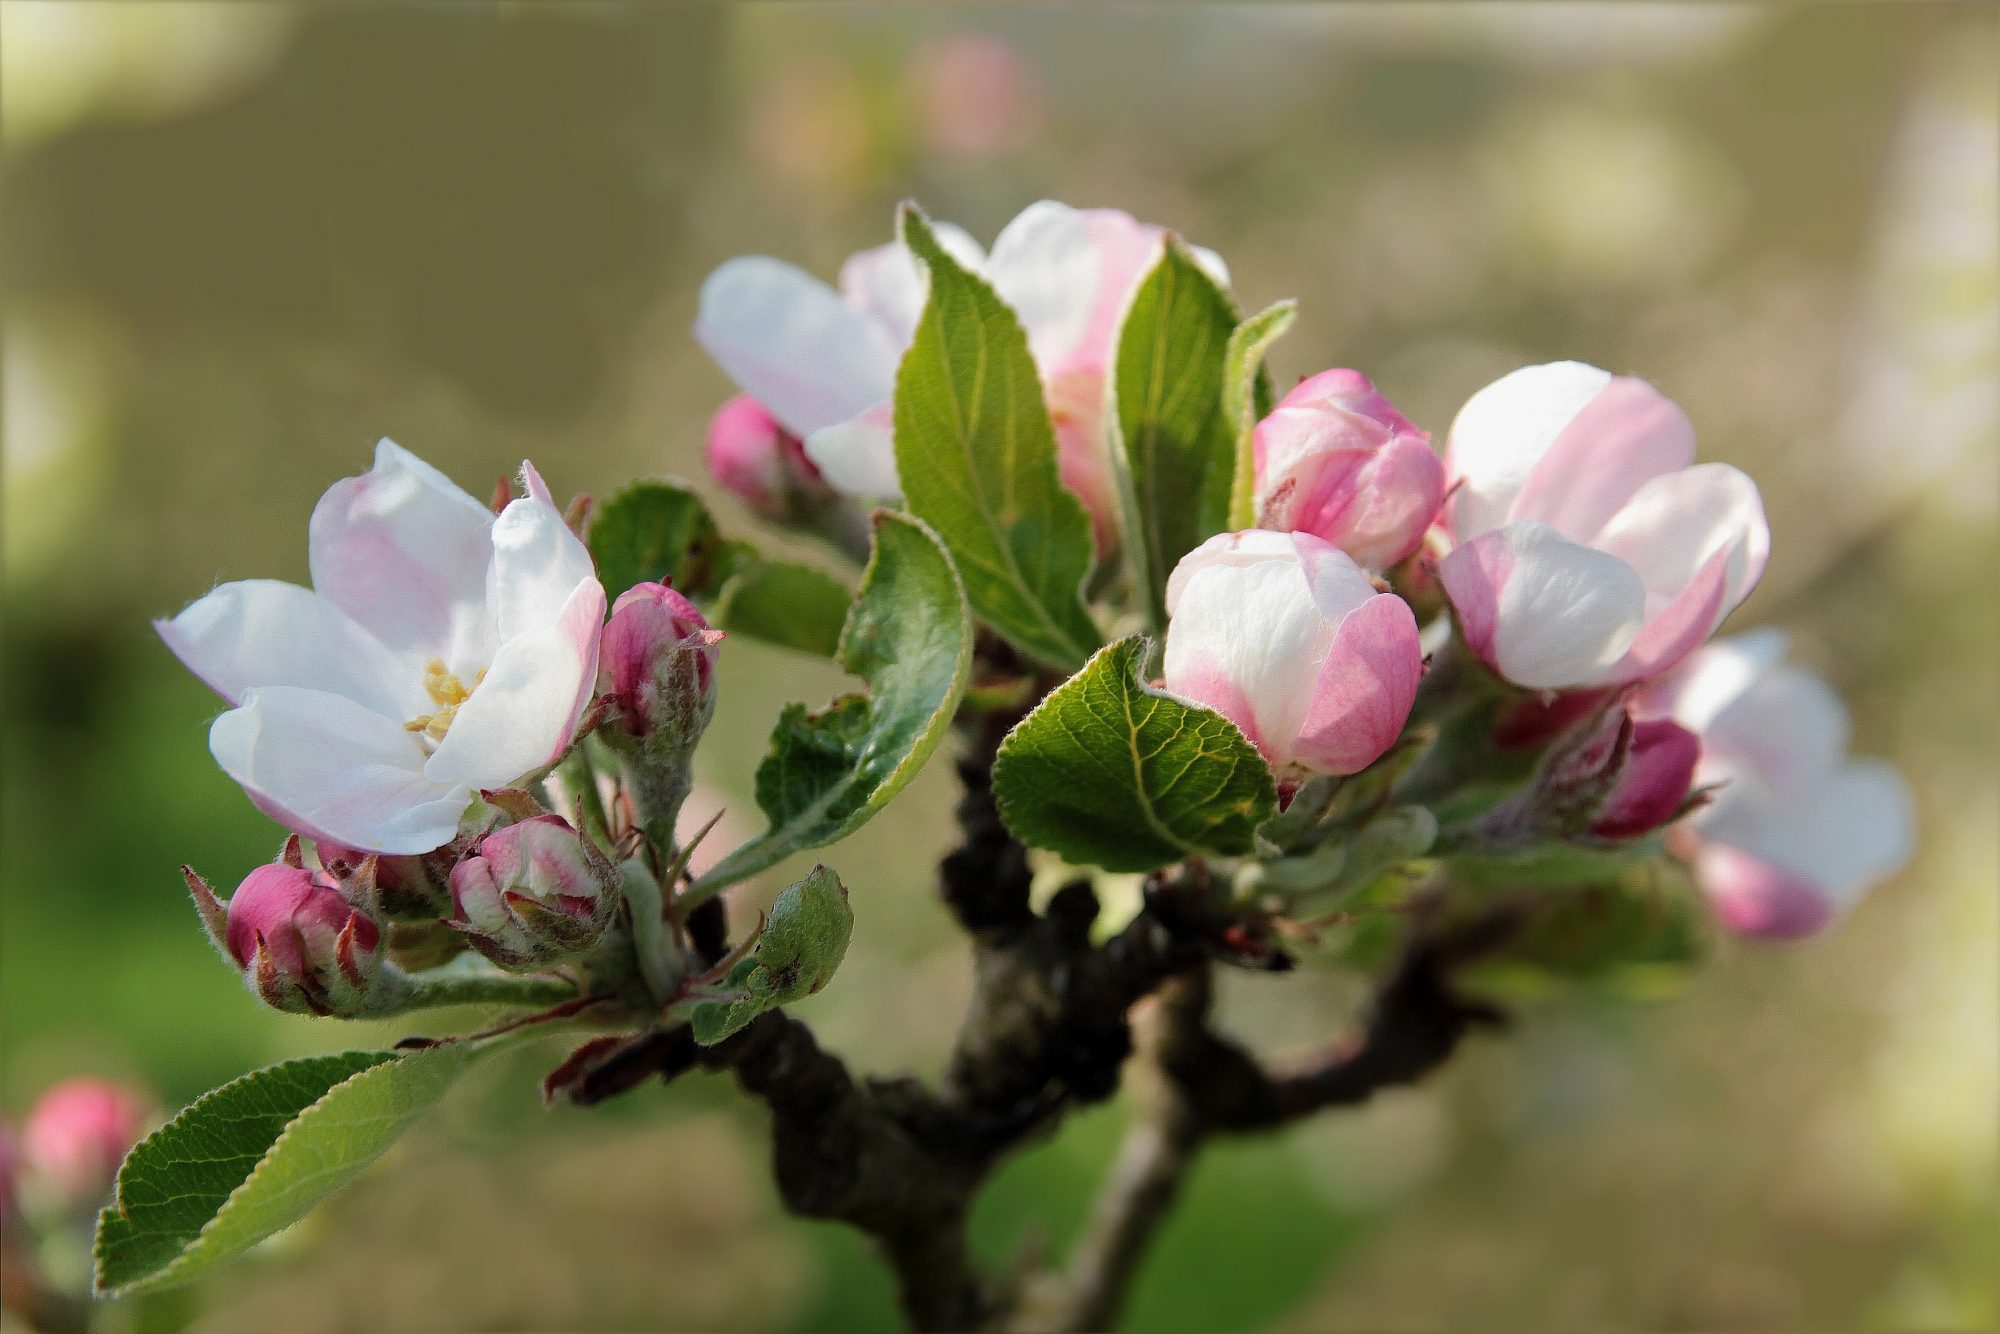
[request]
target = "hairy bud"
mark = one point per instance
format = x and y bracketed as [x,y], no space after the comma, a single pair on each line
[302,946]
[534,893]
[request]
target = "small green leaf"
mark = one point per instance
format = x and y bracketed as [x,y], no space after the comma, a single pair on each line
[258,1154]
[1176,446]
[977,458]
[1109,772]
[1246,395]
[660,532]
[909,636]
[783,603]
[802,944]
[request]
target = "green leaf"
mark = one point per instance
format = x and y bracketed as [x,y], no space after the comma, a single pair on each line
[977,458]
[796,955]
[257,1154]
[909,636]
[1176,446]
[1246,398]
[659,532]
[1108,771]
[783,603]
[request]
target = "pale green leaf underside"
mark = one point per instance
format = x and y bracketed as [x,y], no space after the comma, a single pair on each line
[1246,391]
[977,459]
[1175,446]
[909,636]
[1109,772]
[258,1154]
[801,946]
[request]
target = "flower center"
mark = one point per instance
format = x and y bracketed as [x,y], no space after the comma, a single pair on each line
[447,692]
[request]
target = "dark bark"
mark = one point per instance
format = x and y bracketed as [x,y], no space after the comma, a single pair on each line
[1049,1028]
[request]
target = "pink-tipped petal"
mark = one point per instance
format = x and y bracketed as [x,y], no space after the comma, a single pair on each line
[1503,431]
[1364,692]
[1627,435]
[1540,610]
[1755,898]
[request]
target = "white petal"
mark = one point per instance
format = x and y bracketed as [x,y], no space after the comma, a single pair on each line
[1714,678]
[537,564]
[404,551]
[791,342]
[1787,726]
[1628,434]
[889,284]
[1503,430]
[858,457]
[324,766]
[1847,830]
[1045,266]
[523,714]
[1248,547]
[1545,612]
[1337,583]
[262,632]
[1251,627]
[1673,524]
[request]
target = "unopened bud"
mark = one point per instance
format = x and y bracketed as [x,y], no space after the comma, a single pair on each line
[658,663]
[534,893]
[762,464]
[301,945]
[77,1134]
[1652,788]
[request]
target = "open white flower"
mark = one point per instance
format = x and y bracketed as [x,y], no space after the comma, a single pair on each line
[439,652]
[823,362]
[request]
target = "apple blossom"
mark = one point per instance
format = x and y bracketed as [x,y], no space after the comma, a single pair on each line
[1796,831]
[301,944]
[1283,634]
[440,651]
[77,1133]
[1335,459]
[1587,547]
[823,362]
[534,893]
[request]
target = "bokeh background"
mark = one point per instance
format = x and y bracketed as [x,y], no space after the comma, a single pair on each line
[241,241]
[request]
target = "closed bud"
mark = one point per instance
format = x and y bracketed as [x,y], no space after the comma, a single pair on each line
[301,945]
[534,893]
[762,464]
[77,1134]
[1335,459]
[658,663]
[1652,788]
[1285,636]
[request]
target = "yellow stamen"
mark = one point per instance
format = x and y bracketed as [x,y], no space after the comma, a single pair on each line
[447,692]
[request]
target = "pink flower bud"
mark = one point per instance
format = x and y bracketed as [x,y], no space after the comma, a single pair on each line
[77,1135]
[535,892]
[1652,786]
[301,944]
[761,463]
[1336,460]
[658,663]
[1285,636]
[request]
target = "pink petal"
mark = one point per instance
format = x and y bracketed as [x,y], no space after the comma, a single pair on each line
[1755,898]
[1624,437]
[1365,688]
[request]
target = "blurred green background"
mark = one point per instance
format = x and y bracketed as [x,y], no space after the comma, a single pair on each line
[242,241]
